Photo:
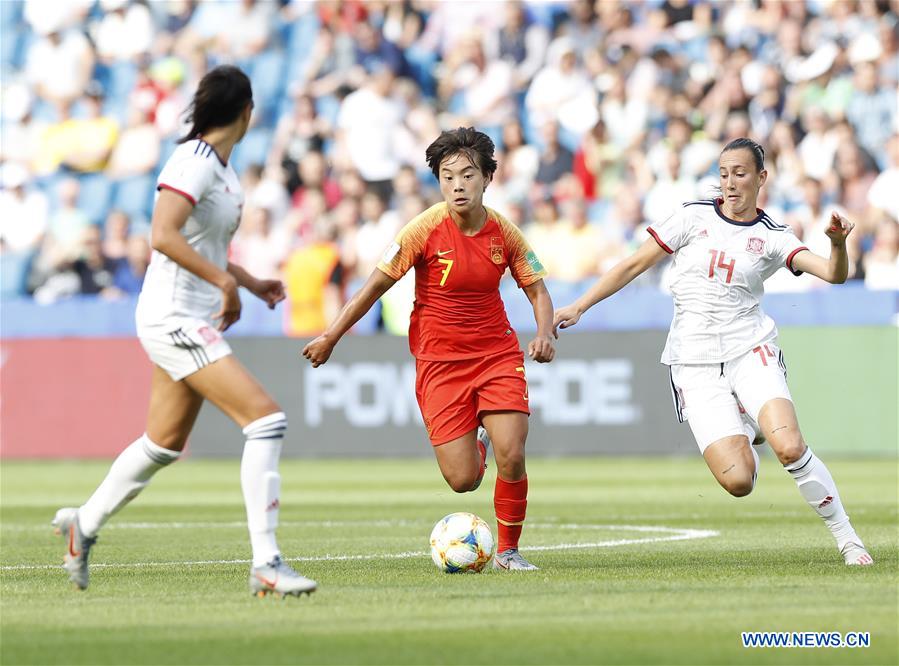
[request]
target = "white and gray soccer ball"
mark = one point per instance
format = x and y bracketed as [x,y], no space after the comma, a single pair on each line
[461,542]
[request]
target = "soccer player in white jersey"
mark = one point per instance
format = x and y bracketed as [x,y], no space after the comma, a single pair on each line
[727,372]
[190,295]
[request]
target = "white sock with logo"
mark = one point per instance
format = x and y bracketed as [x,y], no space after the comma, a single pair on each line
[818,488]
[130,473]
[261,483]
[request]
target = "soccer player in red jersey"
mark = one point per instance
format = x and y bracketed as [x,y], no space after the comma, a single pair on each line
[469,366]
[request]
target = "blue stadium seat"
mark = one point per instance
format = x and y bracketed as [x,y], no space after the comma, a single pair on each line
[135,196]
[9,47]
[253,149]
[268,85]
[14,270]
[95,196]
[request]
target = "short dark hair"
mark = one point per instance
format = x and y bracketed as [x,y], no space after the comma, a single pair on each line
[221,97]
[475,145]
[758,153]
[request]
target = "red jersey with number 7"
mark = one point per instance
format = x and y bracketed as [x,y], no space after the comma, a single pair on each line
[458,312]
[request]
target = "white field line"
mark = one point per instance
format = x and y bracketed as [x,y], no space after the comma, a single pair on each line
[671,534]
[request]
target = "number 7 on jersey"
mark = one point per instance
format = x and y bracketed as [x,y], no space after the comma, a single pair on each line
[446,271]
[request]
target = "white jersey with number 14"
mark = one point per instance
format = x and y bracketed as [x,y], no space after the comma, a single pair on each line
[717,279]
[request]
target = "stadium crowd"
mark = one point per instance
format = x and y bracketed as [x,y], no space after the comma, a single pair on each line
[606,115]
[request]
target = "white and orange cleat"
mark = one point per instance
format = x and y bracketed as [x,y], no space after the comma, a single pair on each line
[78,546]
[279,579]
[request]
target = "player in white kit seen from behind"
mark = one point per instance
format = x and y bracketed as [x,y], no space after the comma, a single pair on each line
[190,295]
[728,376]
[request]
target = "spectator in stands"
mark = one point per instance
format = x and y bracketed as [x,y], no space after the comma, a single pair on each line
[521,161]
[854,177]
[268,190]
[871,110]
[598,163]
[670,189]
[137,150]
[555,159]
[581,245]
[819,145]
[522,44]
[298,133]
[312,174]
[368,126]
[580,26]
[328,65]
[313,278]
[95,271]
[561,92]
[23,212]
[547,231]
[372,50]
[477,90]
[881,264]
[378,228]
[125,32]
[60,62]
[132,268]
[261,245]
[116,232]
[68,223]
[625,118]
[882,194]
[81,144]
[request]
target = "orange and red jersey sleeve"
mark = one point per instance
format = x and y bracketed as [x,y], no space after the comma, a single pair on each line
[524,265]
[410,242]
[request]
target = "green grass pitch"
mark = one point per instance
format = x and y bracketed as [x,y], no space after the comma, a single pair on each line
[676,569]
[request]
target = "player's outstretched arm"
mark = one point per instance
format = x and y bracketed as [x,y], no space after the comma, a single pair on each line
[836,268]
[169,217]
[541,348]
[646,256]
[319,350]
[270,291]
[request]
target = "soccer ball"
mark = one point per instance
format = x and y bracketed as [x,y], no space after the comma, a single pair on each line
[461,542]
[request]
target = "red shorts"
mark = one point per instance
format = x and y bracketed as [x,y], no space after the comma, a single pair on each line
[452,394]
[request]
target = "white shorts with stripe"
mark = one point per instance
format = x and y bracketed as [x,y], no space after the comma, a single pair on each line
[182,345]
[711,397]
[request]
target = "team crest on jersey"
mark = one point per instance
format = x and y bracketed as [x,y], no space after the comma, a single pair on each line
[496,250]
[756,245]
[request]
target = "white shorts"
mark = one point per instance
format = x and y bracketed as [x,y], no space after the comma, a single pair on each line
[183,345]
[712,397]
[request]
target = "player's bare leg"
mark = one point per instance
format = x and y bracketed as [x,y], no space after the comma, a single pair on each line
[734,464]
[171,415]
[780,426]
[461,463]
[508,432]
[232,388]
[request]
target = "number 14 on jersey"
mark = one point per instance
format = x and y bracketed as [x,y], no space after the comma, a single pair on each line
[718,261]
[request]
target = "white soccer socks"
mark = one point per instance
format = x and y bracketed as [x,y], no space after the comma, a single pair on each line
[261,483]
[818,488]
[129,474]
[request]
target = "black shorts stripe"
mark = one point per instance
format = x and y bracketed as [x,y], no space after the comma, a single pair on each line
[197,353]
[781,361]
[678,408]
[190,350]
